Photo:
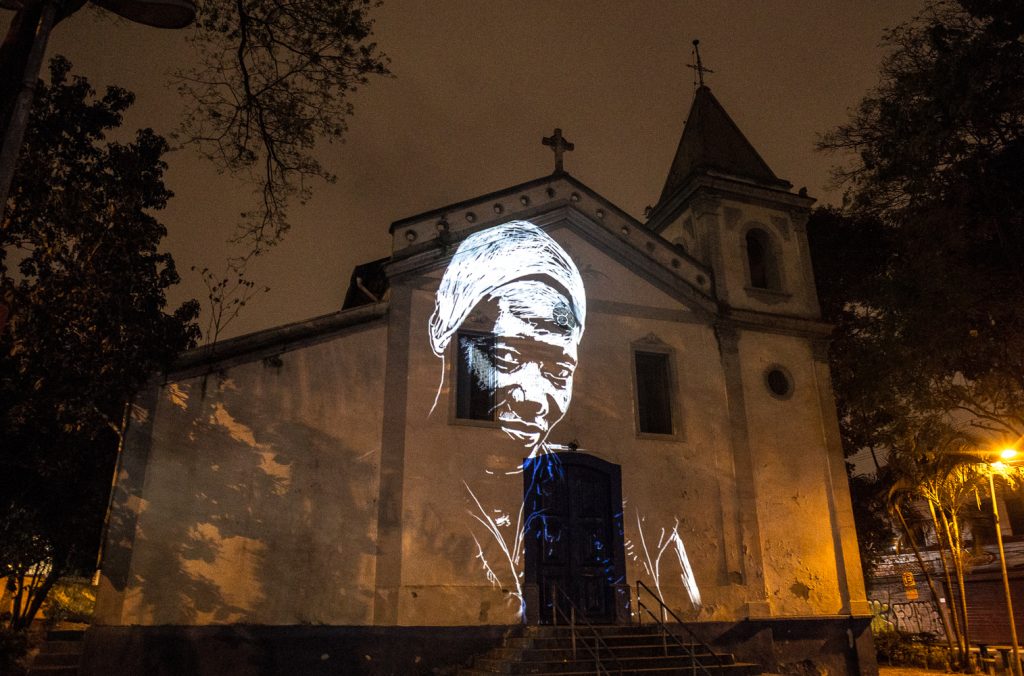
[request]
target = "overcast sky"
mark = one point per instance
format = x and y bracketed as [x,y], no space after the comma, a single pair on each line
[476,86]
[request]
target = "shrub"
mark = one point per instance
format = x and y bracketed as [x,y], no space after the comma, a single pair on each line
[71,600]
[901,649]
[13,645]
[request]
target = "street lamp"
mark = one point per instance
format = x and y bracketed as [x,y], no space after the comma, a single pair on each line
[26,43]
[1007,455]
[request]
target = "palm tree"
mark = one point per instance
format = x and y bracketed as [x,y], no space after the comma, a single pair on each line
[932,470]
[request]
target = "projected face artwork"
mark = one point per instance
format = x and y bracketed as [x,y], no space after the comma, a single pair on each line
[516,366]
[532,362]
[511,310]
[522,368]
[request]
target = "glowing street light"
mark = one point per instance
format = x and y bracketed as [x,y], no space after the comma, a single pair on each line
[21,57]
[999,466]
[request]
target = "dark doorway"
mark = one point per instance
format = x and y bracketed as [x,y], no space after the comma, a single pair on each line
[574,546]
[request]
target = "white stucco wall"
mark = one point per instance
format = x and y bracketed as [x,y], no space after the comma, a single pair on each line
[259,500]
[261,486]
[788,450]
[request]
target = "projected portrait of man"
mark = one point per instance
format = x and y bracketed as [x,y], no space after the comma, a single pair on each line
[518,370]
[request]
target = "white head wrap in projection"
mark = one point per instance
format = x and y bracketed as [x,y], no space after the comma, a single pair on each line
[489,259]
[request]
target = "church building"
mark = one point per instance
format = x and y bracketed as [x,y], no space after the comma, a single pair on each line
[536,410]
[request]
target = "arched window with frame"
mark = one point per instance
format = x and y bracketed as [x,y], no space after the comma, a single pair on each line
[762,265]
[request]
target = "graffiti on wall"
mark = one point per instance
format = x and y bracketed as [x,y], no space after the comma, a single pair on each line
[914,617]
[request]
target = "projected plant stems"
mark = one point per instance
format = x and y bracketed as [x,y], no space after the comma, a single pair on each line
[652,565]
[512,554]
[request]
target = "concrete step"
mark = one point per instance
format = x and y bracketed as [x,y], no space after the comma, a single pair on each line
[53,671]
[610,639]
[584,662]
[547,650]
[65,635]
[737,669]
[60,654]
[48,659]
[548,631]
[61,647]
[514,650]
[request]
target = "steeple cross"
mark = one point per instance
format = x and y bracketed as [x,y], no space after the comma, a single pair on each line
[699,67]
[559,146]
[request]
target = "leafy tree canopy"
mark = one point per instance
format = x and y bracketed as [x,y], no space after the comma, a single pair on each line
[932,322]
[81,265]
[272,80]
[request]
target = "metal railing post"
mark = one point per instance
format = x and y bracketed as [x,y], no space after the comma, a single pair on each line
[695,664]
[639,604]
[572,629]
[599,643]
[554,604]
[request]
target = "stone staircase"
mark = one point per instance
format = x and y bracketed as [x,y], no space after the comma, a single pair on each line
[633,650]
[59,655]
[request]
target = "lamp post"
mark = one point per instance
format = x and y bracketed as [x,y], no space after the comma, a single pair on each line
[993,467]
[21,57]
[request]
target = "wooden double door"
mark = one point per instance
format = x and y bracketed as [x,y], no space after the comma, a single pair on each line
[574,542]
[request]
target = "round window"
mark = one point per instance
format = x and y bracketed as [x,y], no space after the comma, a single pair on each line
[779,382]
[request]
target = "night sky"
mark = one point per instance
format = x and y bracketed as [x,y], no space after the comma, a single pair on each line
[476,86]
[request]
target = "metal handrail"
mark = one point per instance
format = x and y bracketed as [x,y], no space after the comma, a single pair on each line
[598,641]
[694,664]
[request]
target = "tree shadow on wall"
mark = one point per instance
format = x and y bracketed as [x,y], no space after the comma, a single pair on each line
[251,516]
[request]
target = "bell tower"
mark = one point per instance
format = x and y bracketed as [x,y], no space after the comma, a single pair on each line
[724,206]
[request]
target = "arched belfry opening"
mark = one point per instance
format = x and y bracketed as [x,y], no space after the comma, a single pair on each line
[762,265]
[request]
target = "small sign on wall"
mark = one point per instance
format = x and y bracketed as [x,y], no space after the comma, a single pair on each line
[910,585]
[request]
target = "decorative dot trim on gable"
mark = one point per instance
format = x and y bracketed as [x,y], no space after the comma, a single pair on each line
[410,235]
[779,382]
[498,208]
[524,200]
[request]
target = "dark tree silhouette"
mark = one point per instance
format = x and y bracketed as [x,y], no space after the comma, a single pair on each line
[273,81]
[937,154]
[89,324]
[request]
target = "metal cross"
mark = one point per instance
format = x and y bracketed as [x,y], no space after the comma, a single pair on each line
[700,65]
[559,146]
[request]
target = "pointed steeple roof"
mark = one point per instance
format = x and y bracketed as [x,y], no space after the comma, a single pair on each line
[712,141]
